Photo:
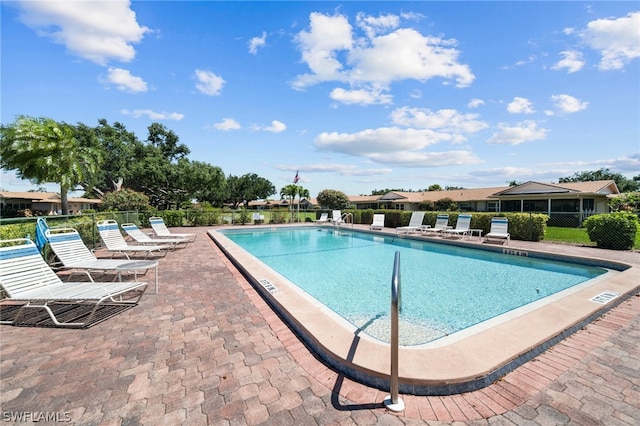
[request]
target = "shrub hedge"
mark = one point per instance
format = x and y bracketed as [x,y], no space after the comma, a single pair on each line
[616,231]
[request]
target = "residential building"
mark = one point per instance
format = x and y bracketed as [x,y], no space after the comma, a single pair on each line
[43,203]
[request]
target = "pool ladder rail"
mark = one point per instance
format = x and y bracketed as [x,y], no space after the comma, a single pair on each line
[393,402]
[345,219]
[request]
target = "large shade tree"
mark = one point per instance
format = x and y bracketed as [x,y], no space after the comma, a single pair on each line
[624,184]
[248,187]
[118,147]
[333,199]
[45,151]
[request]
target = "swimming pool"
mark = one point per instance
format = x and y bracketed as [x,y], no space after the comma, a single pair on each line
[463,361]
[445,288]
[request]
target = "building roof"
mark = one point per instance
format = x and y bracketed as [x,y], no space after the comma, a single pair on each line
[602,187]
[45,197]
[457,195]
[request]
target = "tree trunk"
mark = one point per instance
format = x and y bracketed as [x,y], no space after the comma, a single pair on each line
[64,200]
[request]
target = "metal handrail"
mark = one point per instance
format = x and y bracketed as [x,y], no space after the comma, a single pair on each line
[393,402]
[346,216]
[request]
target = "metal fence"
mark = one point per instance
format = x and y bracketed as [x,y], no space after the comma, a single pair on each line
[560,227]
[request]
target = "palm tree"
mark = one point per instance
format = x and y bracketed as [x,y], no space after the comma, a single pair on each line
[290,191]
[42,150]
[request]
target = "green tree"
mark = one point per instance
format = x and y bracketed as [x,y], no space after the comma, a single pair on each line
[248,187]
[42,150]
[125,200]
[445,204]
[118,147]
[292,191]
[629,202]
[624,184]
[434,187]
[159,168]
[206,183]
[332,199]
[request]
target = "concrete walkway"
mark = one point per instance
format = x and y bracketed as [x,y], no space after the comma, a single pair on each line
[208,350]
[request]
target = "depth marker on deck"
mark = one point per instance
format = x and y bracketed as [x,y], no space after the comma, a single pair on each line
[605,297]
[268,286]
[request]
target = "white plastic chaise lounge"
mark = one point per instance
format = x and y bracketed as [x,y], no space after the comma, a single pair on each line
[140,237]
[161,230]
[72,252]
[25,277]
[499,230]
[415,224]
[336,217]
[462,228]
[378,221]
[324,218]
[442,224]
[115,242]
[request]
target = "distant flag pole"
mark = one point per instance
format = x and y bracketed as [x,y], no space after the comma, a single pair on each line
[295,181]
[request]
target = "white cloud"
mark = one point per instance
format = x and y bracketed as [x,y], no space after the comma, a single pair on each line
[257,42]
[276,127]
[360,96]
[526,131]
[227,124]
[444,120]
[617,40]
[327,36]
[124,81]
[568,104]
[340,169]
[380,56]
[137,113]
[520,106]
[393,145]
[209,83]
[572,60]
[475,103]
[98,31]
[373,26]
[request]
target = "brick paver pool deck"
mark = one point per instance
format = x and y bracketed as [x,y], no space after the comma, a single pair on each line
[208,350]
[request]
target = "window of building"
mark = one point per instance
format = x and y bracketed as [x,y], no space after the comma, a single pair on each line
[492,206]
[589,204]
[572,205]
[534,205]
[511,206]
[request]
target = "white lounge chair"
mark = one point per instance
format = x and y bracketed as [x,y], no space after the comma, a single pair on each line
[499,230]
[115,242]
[415,224]
[161,230]
[462,227]
[324,218]
[140,237]
[336,217]
[378,221]
[25,277]
[69,248]
[442,224]
[258,218]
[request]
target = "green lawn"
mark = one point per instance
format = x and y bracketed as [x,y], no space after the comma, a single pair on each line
[576,236]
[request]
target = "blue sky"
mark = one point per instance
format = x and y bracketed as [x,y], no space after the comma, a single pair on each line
[355,96]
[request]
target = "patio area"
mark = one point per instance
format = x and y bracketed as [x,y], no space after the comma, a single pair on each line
[208,350]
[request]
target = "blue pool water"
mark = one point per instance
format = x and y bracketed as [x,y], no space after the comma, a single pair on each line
[444,288]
